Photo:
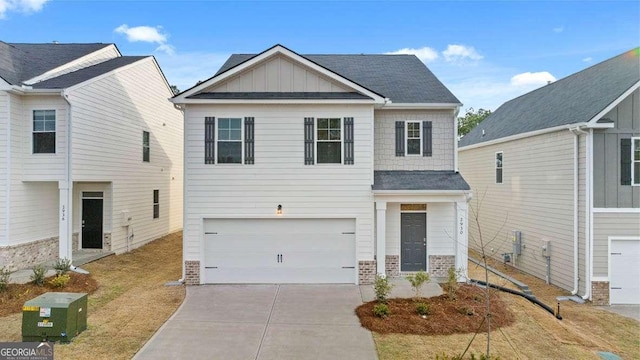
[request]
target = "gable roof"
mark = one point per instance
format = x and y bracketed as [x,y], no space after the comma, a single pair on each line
[401,78]
[577,98]
[84,74]
[20,62]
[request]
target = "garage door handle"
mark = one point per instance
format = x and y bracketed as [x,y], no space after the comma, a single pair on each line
[616,288]
[210,267]
[348,267]
[349,233]
[616,253]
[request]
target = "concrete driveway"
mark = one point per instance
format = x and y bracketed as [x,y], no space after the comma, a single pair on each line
[264,322]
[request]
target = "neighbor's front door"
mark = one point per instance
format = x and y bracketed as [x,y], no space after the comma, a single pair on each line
[92,223]
[413,241]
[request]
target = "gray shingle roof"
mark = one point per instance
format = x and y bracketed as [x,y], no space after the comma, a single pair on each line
[278,95]
[402,78]
[573,99]
[20,62]
[84,74]
[418,180]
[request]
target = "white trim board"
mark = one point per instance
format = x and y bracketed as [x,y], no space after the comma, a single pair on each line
[522,135]
[617,210]
[614,103]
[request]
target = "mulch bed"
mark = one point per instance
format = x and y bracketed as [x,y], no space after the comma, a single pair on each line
[16,295]
[459,316]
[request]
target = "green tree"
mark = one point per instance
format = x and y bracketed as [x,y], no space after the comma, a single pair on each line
[470,119]
[175,89]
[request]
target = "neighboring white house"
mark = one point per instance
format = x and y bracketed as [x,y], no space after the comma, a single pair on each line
[321,169]
[90,152]
[558,172]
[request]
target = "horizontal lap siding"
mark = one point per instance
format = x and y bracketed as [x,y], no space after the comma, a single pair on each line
[4,119]
[536,198]
[440,229]
[442,147]
[610,224]
[279,175]
[109,116]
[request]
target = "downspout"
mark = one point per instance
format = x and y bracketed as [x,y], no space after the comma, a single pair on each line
[589,176]
[576,146]
[8,184]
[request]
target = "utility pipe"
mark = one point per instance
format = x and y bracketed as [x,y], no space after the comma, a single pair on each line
[514,292]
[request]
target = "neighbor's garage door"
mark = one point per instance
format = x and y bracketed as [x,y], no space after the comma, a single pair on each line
[625,272]
[280,251]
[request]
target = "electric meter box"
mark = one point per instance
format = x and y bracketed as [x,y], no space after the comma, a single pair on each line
[54,316]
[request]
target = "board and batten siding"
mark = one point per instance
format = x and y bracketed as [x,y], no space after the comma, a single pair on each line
[607,191]
[536,198]
[96,57]
[109,117]
[385,140]
[610,224]
[4,173]
[279,175]
[278,74]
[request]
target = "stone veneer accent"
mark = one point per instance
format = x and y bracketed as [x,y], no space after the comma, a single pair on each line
[25,256]
[600,292]
[439,265]
[75,238]
[192,272]
[106,242]
[366,272]
[392,265]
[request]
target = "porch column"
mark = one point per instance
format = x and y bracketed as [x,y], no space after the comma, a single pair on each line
[64,225]
[381,243]
[462,241]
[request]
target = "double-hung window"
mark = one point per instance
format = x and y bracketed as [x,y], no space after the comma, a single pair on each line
[635,168]
[228,140]
[329,143]
[44,131]
[414,143]
[146,147]
[414,138]
[156,204]
[499,167]
[630,161]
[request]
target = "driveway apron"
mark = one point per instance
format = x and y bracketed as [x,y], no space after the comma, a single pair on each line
[264,322]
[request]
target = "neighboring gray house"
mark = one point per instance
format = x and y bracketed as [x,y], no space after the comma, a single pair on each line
[557,171]
[90,152]
[321,168]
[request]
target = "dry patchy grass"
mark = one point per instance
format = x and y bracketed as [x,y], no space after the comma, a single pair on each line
[536,334]
[131,302]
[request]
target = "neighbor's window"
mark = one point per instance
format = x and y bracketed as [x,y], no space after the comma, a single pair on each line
[156,204]
[329,143]
[414,145]
[146,149]
[229,141]
[635,160]
[44,131]
[499,167]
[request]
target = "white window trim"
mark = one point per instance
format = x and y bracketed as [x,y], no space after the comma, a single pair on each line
[315,140]
[634,161]
[55,113]
[495,166]
[216,141]
[406,137]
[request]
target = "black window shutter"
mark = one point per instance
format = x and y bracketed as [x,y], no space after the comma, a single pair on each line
[427,141]
[625,161]
[248,140]
[399,138]
[308,141]
[209,140]
[348,141]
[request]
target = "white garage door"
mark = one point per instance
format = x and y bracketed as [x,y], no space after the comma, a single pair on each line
[625,272]
[280,251]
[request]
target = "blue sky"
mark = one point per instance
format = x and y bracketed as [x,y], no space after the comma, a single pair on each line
[485,52]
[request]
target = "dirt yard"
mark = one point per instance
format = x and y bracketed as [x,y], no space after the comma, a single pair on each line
[130,304]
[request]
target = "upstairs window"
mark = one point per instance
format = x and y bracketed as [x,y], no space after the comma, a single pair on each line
[146,149]
[499,167]
[229,141]
[630,161]
[329,143]
[414,140]
[44,131]
[225,142]
[635,173]
[156,204]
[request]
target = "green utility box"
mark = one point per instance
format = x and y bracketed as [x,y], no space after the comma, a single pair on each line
[54,316]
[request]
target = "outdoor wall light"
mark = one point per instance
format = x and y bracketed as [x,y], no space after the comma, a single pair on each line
[279,210]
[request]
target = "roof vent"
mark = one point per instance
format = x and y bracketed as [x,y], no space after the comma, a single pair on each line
[56,42]
[482,132]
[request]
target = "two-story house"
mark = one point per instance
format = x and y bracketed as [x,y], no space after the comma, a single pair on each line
[321,169]
[90,152]
[558,172]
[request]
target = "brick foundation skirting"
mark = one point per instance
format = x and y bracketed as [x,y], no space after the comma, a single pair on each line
[600,292]
[366,272]
[25,256]
[392,265]
[192,272]
[439,265]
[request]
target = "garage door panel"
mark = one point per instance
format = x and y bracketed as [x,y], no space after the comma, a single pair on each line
[625,272]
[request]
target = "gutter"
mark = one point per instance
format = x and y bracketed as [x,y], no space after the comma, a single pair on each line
[420,192]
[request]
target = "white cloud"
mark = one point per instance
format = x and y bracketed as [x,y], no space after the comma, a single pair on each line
[24,6]
[147,34]
[588,59]
[425,54]
[185,69]
[457,52]
[558,29]
[532,79]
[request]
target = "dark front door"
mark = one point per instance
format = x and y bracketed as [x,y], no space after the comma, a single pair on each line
[413,241]
[92,223]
